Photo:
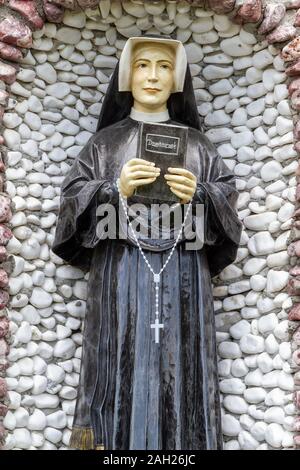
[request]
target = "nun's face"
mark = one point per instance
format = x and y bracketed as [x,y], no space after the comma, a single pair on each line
[152,77]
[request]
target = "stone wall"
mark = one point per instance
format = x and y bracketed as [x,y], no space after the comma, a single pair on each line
[50,99]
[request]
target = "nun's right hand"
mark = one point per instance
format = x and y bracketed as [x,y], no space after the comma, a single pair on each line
[137,172]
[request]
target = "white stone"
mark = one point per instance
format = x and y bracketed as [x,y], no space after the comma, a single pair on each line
[45,350]
[15,400]
[283,125]
[194,53]
[229,350]
[214,72]
[281,241]
[46,400]
[260,136]
[57,419]
[235,47]
[40,298]
[219,88]
[280,92]
[274,435]
[219,135]
[74,19]
[68,35]
[261,243]
[265,363]
[69,272]
[285,350]
[12,139]
[39,384]
[253,75]
[21,414]
[230,425]
[224,367]
[24,333]
[283,108]
[76,308]
[233,386]
[235,404]
[262,59]
[286,212]
[205,38]
[55,373]
[267,323]
[105,62]
[286,381]
[80,290]
[53,435]
[69,406]
[254,266]
[11,120]
[240,329]
[258,430]
[26,366]
[256,90]
[68,393]
[47,73]
[9,421]
[276,280]
[260,222]
[231,445]
[247,442]
[64,349]
[251,344]
[258,282]
[271,171]
[254,395]
[217,118]
[39,365]
[284,152]
[30,314]
[242,170]
[67,127]
[37,421]
[239,368]
[275,414]
[256,107]
[58,90]
[234,302]
[22,438]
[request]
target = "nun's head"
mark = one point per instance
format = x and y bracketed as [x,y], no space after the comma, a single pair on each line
[181,104]
[152,69]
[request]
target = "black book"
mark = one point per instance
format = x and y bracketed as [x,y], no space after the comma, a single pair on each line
[165,145]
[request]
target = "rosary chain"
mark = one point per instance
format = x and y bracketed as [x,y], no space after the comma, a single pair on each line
[138,243]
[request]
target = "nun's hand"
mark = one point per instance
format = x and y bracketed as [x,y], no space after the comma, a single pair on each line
[137,172]
[182,182]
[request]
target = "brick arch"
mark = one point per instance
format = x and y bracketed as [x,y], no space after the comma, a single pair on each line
[277,23]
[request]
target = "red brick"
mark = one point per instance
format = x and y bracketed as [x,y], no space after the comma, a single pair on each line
[12,31]
[29,11]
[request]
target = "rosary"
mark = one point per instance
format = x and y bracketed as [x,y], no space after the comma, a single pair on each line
[156,276]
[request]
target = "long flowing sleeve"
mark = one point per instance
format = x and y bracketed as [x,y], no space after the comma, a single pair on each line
[216,189]
[83,189]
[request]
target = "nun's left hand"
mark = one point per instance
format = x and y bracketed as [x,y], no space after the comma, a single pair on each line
[182,182]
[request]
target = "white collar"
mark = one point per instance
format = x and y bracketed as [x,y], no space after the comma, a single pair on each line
[149,117]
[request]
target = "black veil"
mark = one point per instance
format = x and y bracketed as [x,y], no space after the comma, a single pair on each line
[117,105]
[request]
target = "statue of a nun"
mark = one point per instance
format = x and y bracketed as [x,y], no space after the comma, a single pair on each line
[136,392]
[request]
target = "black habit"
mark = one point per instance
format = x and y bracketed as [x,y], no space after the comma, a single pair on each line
[134,393]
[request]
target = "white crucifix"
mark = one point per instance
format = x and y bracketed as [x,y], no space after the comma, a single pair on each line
[157,326]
